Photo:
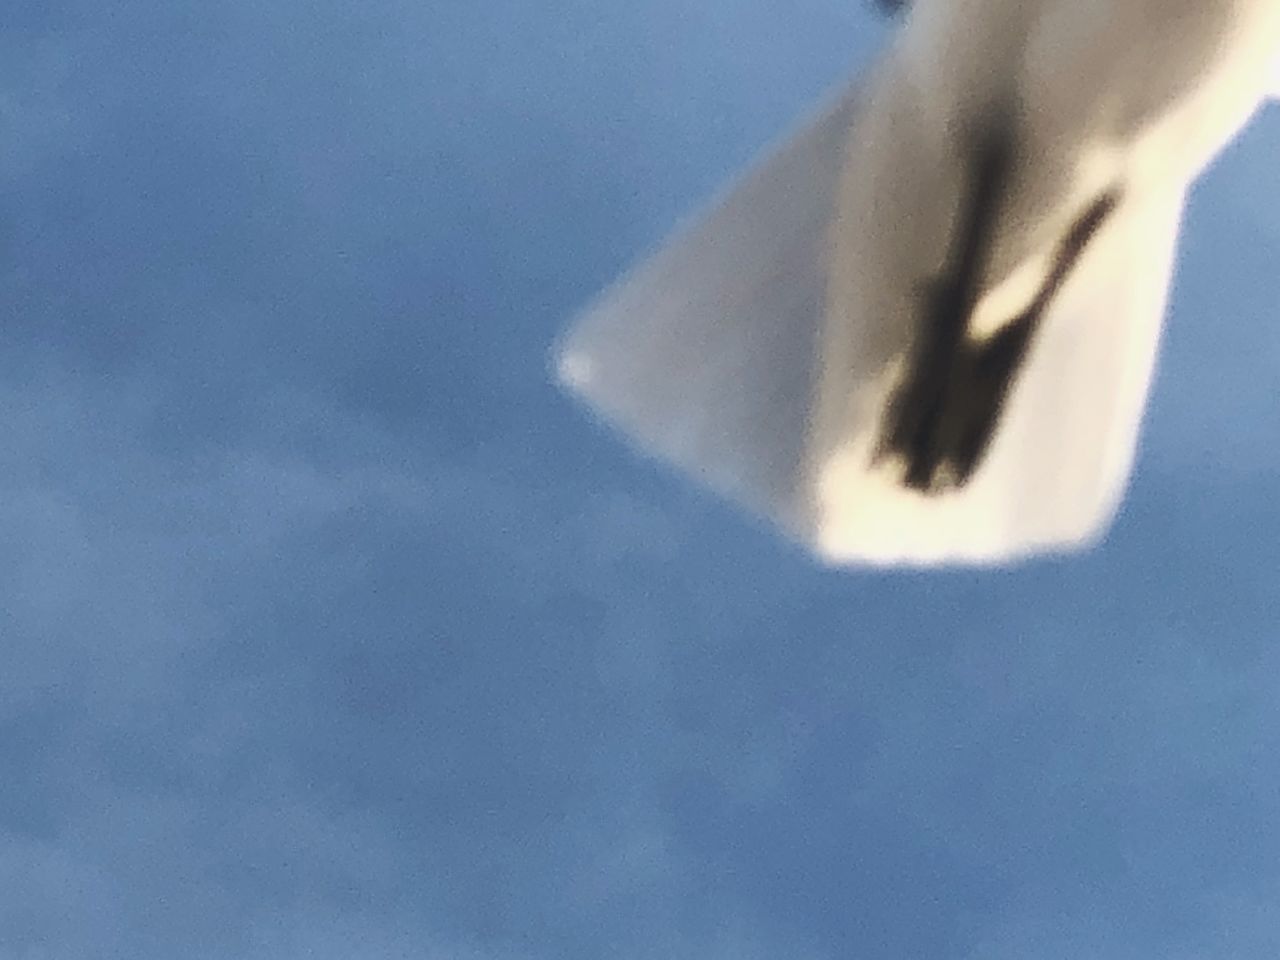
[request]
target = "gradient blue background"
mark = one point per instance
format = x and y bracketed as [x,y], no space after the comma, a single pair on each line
[329,629]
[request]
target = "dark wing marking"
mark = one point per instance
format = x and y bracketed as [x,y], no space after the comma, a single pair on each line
[943,417]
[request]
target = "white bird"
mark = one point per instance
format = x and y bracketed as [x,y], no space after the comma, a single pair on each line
[923,329]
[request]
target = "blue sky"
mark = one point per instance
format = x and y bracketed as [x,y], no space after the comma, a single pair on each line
[330,629]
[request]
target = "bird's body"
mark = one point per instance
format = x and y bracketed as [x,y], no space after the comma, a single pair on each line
[972,251]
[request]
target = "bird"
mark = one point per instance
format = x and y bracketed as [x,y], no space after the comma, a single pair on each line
[921,329]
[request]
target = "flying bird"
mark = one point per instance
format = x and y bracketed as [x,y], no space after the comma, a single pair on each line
[922,329]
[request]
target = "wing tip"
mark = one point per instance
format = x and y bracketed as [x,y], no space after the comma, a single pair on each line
[572,370]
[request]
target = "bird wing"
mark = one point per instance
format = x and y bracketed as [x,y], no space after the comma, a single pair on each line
[707,355]
[1063,451]
[704,353]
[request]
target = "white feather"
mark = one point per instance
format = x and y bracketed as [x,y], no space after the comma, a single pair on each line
[758,349]
[1058,464]
[704,353]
